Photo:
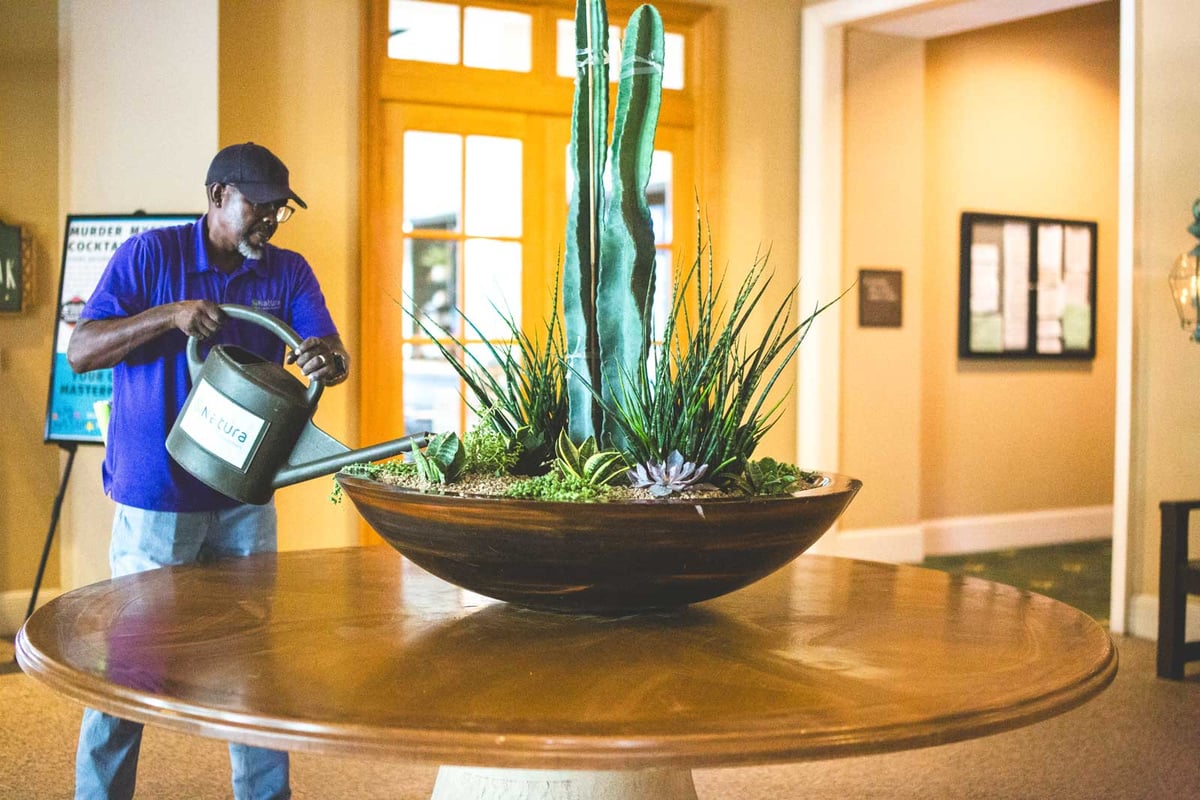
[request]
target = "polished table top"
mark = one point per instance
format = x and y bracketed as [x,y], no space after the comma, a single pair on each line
[357,651]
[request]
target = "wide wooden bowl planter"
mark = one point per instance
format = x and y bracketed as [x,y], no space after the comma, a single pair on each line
[599,558]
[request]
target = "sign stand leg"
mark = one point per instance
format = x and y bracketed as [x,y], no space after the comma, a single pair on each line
[58,501]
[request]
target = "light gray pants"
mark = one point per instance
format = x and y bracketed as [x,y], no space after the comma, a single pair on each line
[106,761]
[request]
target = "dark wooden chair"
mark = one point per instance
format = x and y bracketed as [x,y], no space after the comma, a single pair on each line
[1177,578]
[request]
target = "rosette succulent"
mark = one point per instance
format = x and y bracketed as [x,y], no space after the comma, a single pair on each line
[668,477]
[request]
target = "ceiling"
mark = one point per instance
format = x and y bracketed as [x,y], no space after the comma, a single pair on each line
[946,18]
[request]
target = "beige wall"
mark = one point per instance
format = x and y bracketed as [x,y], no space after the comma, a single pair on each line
[755,205]
[884,167]
[29,470]
[1022,118]
[289,79]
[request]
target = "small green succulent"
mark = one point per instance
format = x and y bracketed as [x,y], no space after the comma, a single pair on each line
[670,476]
[560,487]
[442,460]
[588,462]
[769,477]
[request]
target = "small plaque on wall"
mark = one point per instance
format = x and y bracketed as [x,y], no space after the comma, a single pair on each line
[880,298]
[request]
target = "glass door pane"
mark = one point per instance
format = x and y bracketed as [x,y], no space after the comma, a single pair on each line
[459,237]
[423,31]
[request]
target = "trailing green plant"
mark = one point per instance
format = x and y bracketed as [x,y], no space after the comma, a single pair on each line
[608,271]
[588,462]
[488,451]
[769,477]
[703,390]
[524,395]
[372,471]
[672,475]
[442,460]
[560,487]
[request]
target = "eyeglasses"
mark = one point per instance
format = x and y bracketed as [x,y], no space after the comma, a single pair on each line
[280,213]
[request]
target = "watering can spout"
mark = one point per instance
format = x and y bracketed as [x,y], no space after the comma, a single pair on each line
[317,453]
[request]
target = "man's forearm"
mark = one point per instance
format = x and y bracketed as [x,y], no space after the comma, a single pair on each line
[103,343]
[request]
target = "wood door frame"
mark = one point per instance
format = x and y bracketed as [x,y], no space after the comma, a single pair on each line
[704,25]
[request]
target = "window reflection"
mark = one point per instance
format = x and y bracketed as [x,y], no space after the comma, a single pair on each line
[433,166]
[494,39]
[431,393]
[493,202]
[492,287]
[431,281]
[423,31]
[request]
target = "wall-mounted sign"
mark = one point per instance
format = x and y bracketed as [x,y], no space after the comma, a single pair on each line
[880,298]
[14,279]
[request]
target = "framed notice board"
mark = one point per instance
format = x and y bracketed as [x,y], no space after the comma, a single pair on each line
[1027,287]
[88,244]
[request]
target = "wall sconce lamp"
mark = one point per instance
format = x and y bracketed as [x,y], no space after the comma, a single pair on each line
[1185,281]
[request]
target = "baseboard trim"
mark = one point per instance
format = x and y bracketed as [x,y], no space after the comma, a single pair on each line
[901,544]
[910,544]
[1143,618]
[14,604]
[957,535]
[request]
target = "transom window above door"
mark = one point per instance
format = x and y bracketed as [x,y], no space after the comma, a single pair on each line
[498,38]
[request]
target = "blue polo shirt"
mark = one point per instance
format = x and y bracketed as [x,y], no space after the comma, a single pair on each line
[151,384]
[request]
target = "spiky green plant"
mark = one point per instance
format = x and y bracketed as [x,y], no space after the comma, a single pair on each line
[703,390]
[524,399]
[588,462]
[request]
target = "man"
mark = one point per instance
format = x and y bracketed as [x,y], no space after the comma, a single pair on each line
[161,287]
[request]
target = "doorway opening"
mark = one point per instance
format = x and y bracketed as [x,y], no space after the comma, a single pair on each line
[821,221]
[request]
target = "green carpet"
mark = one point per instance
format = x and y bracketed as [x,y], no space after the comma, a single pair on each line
[1077,574]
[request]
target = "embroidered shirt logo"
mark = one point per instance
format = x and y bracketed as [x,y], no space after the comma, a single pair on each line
[260,304]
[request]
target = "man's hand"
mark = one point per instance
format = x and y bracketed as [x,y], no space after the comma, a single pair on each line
[324,360]
[199,318]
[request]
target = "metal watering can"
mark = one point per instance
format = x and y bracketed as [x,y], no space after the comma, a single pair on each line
[246,428]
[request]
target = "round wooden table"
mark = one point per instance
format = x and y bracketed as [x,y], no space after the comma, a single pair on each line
[356,651]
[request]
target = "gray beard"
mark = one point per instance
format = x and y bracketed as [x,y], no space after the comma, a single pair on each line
[250,252]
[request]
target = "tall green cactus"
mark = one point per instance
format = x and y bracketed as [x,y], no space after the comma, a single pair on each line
[608,268]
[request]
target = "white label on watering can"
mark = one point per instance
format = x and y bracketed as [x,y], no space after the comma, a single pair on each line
[221,426]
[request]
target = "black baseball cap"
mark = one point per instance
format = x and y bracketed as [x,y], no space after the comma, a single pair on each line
[257,173]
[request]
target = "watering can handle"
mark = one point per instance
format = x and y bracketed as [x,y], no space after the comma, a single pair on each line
[275,326]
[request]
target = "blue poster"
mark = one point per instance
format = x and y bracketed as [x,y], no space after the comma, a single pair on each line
[89,243]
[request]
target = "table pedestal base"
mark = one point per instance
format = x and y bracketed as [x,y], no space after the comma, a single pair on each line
[485,783]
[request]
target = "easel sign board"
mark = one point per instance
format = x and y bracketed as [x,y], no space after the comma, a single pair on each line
[88,245]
